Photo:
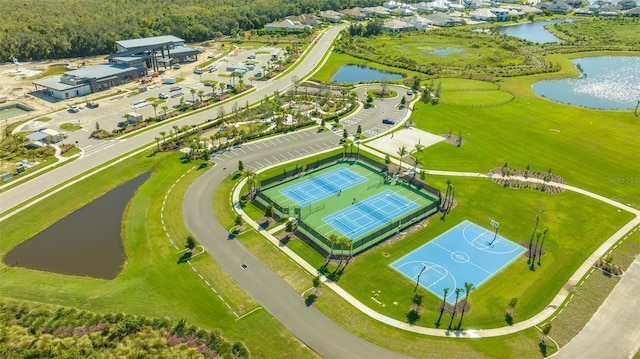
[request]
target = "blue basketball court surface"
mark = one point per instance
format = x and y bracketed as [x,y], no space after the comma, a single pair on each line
[317,188]
[367,215]
[465,253]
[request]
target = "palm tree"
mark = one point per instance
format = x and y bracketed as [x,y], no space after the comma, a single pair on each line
[468,288]
[193,94]
[200,94]
[240,80]
[221,112]
[176,130]
[544,235]
[402,151]
[446,196]
[455,306]
[165,109]
[535,228]
[317,282]
[444,304]
[157,142]
[155,106]
[417,159]
[635,112]
[221,85]
[163,134]
[333,239]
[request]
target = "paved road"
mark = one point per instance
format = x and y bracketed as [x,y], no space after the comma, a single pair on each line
[103,151]
[286,305]
[614,330]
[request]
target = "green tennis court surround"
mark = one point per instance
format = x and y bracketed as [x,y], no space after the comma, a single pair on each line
[345,197]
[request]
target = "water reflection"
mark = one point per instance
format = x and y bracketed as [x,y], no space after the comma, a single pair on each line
[85,243]
[359,73]
[607,82]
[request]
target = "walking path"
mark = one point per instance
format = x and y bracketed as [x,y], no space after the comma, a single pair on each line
[542,316]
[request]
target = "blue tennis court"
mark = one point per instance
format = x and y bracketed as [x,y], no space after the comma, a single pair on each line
[362,217]
[317,188]
[465,253]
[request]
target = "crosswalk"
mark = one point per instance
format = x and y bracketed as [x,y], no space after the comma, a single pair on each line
[97,145]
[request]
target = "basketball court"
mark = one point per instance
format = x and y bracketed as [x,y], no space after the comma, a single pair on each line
[465,253]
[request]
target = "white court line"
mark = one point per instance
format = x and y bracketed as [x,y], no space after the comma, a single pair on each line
[469,261]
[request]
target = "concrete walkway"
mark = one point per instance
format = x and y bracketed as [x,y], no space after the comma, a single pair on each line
[542,316]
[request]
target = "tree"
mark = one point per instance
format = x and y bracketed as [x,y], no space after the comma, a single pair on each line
[191,243]
[317,283]
[200,95]
[158,142]
[193,94]
[268,211]
[635,112]
[165,109]
[455,306]
[289,227]
[238,220]
[468,287]
[240,166]
[546,329]
[416,83]
[333,240]
[155,106]
[512,307]
[403,101]
[221,85]
[402,151]
[359,130]
[296,84]
[345,134]
[443,306]
[535,228]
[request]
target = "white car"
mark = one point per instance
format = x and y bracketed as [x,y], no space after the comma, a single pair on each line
[163,96]
[74,109]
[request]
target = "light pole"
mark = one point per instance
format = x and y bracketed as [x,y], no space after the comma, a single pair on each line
[424,267]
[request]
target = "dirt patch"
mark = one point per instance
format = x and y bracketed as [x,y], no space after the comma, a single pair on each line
[453,139]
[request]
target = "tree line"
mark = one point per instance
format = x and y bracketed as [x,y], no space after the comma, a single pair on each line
[37,30]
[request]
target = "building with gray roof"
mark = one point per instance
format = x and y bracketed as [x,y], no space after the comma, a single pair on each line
[84,81]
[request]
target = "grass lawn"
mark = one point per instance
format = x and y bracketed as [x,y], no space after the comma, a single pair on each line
[584,146]
[521,345]
[151,283]
[589,295]
[567,215]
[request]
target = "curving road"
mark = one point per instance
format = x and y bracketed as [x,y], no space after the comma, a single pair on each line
[104,151]
[308,324]
[314,329]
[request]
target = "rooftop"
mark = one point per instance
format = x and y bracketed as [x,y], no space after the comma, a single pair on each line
[100,71]
[149,41]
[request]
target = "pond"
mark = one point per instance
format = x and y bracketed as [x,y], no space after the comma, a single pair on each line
[13,110]
[607,82]
[360,73]
[87,242]
[532,31]
[447,51]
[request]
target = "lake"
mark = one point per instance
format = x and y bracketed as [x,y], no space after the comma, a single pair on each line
[87,242]
[532,31]
[360,73]
[608,82]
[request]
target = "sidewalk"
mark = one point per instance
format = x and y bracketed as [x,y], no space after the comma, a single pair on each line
[542,316]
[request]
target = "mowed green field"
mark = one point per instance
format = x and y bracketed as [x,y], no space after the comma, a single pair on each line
[573,235]
[151,283]
[594,150]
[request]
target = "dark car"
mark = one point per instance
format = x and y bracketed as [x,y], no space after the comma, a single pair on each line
[388,121]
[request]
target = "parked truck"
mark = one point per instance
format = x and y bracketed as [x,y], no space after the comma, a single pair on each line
[92,104]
